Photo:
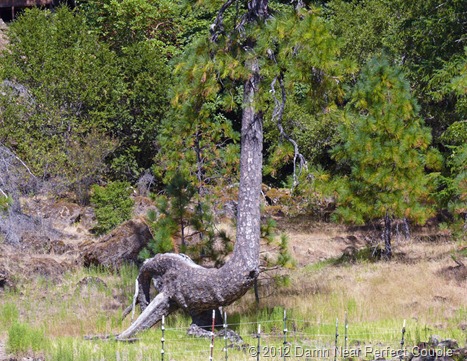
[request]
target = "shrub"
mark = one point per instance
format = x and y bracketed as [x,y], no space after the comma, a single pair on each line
[112,205]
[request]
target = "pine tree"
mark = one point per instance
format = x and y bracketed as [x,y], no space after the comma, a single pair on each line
[384,145]
[261,53]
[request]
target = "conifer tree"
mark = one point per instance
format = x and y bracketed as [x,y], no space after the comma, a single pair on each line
[262,53]
[384,146]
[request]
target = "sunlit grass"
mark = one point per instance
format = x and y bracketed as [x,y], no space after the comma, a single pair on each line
[51,318]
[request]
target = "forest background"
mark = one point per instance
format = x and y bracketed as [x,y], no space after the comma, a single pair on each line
[117,95]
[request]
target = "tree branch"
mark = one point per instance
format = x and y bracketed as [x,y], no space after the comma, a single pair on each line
[217,28]
[277,115]
[11,153]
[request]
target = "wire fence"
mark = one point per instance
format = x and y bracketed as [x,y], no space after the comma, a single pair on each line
[291,339]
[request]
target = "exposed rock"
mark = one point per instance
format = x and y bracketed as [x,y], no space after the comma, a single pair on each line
[122,245]
[460,354]
[14,264]
[60,213]
[142,206]
[59,247]
[91,281]
[196,331]
[448,344]
[232,336]
[434,340]
[5,279]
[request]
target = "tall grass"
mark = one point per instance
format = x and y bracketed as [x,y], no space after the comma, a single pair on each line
[9,314]
[376,297]
[23,339]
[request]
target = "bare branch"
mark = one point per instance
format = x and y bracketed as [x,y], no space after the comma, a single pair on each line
[11,153]
[298,4]
[458,262]
[217,28]
[277,115]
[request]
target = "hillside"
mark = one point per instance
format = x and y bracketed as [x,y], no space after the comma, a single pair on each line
[422,284]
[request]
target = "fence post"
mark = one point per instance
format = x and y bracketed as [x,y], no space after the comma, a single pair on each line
[225,337]
[212,334]
[258,348]
[285,333]
[335,342]
[401,355]
[346,332]
[162,338]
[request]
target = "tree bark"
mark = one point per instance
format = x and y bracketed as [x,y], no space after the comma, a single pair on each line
[387,237]
[181,283]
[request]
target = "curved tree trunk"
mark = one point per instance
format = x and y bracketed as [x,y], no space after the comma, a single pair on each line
[181,283]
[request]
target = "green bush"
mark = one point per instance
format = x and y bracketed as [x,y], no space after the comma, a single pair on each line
[112,205]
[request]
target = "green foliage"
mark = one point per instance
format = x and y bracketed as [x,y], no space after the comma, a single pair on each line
[173,219]
[22,338]
[185,224]
[61,96]
[296,48]
[123,23]
[276,258]
[5,203]
[279,246]
[400,29]
[146,74]
[458,167]
[112,205]
[315,193]
[385,145]
[201,145]
[67,85]
[365,28]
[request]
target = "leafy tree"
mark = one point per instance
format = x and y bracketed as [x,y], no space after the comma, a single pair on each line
[185,223]
[201,146]
[385,149]
[67,87]
[145,34]
[175,216]
[61,94]
[365,28]
[145,71]
[458,167]
[122,23]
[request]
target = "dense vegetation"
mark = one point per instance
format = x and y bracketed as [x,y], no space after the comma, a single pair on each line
[130,90]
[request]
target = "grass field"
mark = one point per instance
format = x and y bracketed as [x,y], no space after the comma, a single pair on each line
[48,319]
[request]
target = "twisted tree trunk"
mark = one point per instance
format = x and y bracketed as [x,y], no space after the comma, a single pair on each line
[180,282]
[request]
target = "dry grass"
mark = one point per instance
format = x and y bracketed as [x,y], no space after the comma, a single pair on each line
[414,286]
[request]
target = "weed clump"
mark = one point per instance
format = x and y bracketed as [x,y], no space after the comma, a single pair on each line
[23,339]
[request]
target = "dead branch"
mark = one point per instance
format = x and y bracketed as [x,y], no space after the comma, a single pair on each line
[277,115]
[217,28]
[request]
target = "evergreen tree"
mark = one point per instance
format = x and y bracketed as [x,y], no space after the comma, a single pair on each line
[384,146]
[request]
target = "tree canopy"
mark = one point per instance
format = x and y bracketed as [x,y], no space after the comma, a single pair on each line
[115,89]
